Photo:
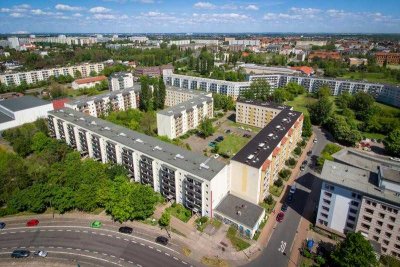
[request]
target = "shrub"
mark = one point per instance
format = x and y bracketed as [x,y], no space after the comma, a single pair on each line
[285,173]
[307,253]
[278,182]
[291,162]
[320,260]
[269,200]
[297,151]
[188,147]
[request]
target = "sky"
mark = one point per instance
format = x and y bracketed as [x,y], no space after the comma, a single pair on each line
[188,16]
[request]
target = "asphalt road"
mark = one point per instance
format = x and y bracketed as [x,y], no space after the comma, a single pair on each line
[100,247]
[279,247]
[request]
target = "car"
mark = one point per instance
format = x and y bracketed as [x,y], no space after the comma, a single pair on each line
[304,162]
[394,159]
[292,189]
[212,144]
[162,240]
[125,230]
[216,156]
[33,222]
[40,253]
[247,135]
[2,225]
[315,140]
[96,224]
[284,207]
[227,131]
[280,216]
[220,138]
[217,140]
[290,198]
[20,253]
[309,153]
[302,168]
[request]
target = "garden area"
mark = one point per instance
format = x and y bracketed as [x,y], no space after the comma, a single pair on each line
[203,222]
[231,144]
[237,242]
[326,154]
[180,212]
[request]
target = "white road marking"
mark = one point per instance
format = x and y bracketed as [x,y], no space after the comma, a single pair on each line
[130,262]
[150,247]
[167,254]
[69,248]
[126,239]
[121,259]
[112,256]
[59,247]
[283,246]
[133,241]
[118,237]
[175,258]
[184,262]
[87,250]
[158,250]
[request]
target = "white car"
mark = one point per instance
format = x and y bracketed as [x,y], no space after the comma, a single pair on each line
[293,189]
[216,156]
[315,140]
[40,253]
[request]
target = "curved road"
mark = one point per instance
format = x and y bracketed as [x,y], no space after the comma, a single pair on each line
[101,247]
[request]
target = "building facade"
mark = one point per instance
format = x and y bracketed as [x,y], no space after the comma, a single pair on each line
[361,193]
[175,95]
[256,166]
[197,182]
[104,103]
[389,58]
[35,76]
[120,80]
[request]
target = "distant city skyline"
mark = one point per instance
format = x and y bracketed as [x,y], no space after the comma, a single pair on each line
[169,16]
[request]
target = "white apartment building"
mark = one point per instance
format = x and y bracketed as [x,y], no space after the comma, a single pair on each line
[17,111]
[35,76]
[175,96]
[258,69]
[310,43]
[244,42]
[179,42]
[361,192]
[177,120]
[104,103]
[206,41]
[120,80]
[138,39]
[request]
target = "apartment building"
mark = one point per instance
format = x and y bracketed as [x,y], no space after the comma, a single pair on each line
[390,94]
[175,95]
[257,113]
[361,192]
[87,82]
[177,120]
[256,166]
[324,55]
[35,76]
[198,182]
[258,69]
[389,58]
[120,80]
[246,42]
[104,103]
[152,71]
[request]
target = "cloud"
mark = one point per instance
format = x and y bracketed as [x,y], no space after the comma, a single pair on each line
[99,9]
[104,16]
[5,10]
[20,32]
[219,18]
[77,15]
[305,11]
[229,7]
[38,12]
[67,7]
[251,7]
[204,5]
[23,6]
[17,15]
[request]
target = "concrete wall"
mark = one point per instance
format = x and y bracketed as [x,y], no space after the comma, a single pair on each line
[26,116]
[245,181]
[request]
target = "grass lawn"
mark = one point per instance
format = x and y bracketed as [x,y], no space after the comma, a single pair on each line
[373,135]
[257,234]
[237,125]
[276,191]
[238,243]
[232,144]
[300,103]
[387,108]
[268,208]
[180,212]
[376,77]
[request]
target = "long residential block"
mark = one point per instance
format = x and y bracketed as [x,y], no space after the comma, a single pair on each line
[35,76]
[361,192]
[103,104]
[176,95]
[198,182]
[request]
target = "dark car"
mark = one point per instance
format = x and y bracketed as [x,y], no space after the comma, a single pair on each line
[2,225]
[309,153]
[280,216]
[247,135]
[32,222]
[290,198]
[20,253]
[219,139]
[284,207]
[162,240]
[125,230]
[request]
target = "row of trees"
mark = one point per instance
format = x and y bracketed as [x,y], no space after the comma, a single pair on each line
[152,99]
[50,174]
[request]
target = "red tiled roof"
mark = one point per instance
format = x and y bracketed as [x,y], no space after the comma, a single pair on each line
[266,165]
[91,79]
[59,103]
[304,69]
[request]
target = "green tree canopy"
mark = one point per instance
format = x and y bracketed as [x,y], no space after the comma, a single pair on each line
[320,111]
[392,143]
[206,128]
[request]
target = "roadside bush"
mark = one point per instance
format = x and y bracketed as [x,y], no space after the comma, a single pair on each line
[307,253]
[297,151]
[291,162]
[302,143]
[269,200]
[285,174]
[278,182]
[320,260]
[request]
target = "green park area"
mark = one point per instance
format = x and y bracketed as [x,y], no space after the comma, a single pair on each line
[374,77]
[232,144]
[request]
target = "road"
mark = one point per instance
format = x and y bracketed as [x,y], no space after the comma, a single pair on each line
[278,249]
[81,244]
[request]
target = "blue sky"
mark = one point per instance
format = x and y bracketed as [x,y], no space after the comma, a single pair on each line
[141,16]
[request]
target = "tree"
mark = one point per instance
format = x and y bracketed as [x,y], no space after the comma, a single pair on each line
[165,219]
[259,89]
[148,123]
[278,182]
[362,104]
[307,127]
[206,128]
[77,74]
[39,142]
[343,100]
[355,250]
[56,90]
[161,93]
[320,110]
[145,94]
[392,143]
[269,200]
[156,97]
[324,91]
[280,95]
[342,131]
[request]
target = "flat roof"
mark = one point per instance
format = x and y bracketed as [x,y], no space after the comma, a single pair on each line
[4,118]
[193,163]
[120,74]
[390,174]
[357,179]
[263,144]
[266,104]
[187,91]
[23,102]
[240,210]
[84,100]
[185,106]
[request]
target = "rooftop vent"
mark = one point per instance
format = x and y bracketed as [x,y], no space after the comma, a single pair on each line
[251,156]
[179,156]
[204,166]
[122,134]
[139,140]
[93,123]
[157,148]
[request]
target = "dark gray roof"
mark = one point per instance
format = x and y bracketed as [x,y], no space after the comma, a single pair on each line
[195,164]
[240,210]
[188,91]
[185,106]
[23,102]
[119,74]
[264,143]
[264,104]
[4,117]
[390,174]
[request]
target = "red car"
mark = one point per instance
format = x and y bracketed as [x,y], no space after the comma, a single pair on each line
[32,222]
[280,216]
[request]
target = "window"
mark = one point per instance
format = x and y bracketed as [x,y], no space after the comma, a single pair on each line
[350,225]
[325,208]
[353,211]
[390,226]
[328,194]
[324,215]
[377,230]
[393,219]
[368,219]
[323,222]
[376,238]
[386,242]
[351,218]
[364,225]
[388,234]
[382,215]
[397,246]
[369,211]
[327,201]
[355,203]
[379,223]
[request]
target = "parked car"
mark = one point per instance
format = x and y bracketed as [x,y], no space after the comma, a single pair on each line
[247,135]
[33,222]
[216,156]
[280,216]
[20,253]
[212,144]
[302,167]
[162,240]
[40,253]
[284,207]
[96,224]
[219,139]
[125,230]
[315,140]
[2,225]
[290,198]
[292,189]
[309,153]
